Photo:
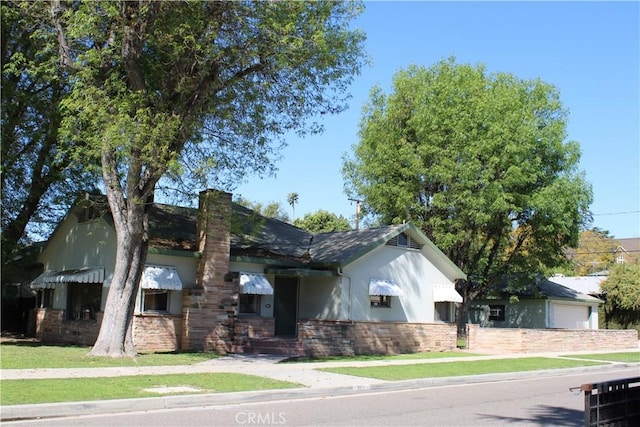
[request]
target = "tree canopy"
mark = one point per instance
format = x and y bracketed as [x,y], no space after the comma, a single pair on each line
[198,94]
[322,222]
[271,209]
[622,294]
[37,171]
[479,162]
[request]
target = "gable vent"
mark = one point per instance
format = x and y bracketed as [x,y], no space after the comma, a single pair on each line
[403,240]
[88,213]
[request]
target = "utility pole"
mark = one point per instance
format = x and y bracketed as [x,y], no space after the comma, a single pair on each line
[357,212]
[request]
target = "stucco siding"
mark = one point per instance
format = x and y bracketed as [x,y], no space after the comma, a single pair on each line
[77,245]
[410,270]
[523,314]
[320,298]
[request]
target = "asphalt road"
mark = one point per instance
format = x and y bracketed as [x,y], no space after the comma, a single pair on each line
[522,402]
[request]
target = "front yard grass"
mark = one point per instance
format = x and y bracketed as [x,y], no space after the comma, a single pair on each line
[630,356]
[18,392]
[454,369]
[35,356]
[370,357]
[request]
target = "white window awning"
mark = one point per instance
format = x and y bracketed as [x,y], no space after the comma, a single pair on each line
[445,293]
[48,279]
[161,277]
[384,287]
[256,284]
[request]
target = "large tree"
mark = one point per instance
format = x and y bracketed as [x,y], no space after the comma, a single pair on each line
[622,295]
[39,180]
[197,92]
[479,162]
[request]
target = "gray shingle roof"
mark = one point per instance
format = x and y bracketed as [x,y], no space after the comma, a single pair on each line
[546,289]
[254,235]
[342,247]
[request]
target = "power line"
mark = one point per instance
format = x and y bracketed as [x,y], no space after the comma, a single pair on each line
[615,213]
[601,252]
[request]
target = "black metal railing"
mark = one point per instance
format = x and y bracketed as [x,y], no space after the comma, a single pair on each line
[612,403]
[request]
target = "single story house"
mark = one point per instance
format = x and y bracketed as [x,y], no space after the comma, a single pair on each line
[224,278]
[545,304]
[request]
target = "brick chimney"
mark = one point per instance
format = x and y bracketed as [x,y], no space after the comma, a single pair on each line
[209,310]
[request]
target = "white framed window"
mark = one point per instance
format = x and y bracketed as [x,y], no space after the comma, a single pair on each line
[83,300]
[497,312]
[380,300]
[155,300]
[249,304]
[45,298]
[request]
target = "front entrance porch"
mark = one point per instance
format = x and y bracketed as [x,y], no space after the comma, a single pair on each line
[285,306]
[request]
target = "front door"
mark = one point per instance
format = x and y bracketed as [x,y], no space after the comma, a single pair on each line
[285,305]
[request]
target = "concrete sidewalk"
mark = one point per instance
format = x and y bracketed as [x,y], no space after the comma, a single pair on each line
[315,383]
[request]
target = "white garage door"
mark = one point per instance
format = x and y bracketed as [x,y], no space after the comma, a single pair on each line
[570,316]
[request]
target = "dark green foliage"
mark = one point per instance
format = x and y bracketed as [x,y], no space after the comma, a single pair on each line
[479,162]
[322,222]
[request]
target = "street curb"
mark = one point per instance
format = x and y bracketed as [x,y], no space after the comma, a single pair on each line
[63,409]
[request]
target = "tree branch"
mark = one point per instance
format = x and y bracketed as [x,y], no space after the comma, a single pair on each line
[65,53]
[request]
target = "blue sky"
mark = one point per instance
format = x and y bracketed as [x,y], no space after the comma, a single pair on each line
[589,50]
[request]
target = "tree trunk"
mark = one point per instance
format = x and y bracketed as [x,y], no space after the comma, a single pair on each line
[115,338]
[130,218]
[461,321]
[462,286]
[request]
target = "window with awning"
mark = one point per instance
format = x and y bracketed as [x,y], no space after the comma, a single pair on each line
[445,293]
[384,287]
[48,279]
[157,282]
[162,277]
[255,284]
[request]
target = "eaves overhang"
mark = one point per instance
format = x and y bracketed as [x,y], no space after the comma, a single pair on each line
[265,261]
[300,272]
[175,252]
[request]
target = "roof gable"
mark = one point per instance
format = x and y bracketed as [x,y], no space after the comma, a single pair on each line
[343,247]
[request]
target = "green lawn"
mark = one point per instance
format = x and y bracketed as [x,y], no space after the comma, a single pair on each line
[631,356]
[18,392]
[33,356]
[453,369]
[369,357]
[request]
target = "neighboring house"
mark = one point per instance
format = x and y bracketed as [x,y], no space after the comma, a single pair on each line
[544,305]
[222,277]
[627,251]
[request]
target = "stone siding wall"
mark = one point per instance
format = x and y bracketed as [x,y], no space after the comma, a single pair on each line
[150,332]
[156,332]
[254,327]
[51,327]
[515,340]
[324,338]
